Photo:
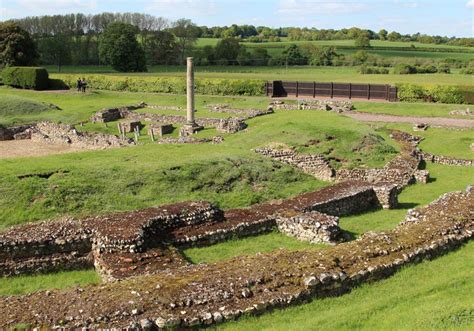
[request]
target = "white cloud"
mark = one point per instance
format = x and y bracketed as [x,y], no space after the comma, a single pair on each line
[182,8]
[470,4]
[407,4]
[311,7]
[57,5]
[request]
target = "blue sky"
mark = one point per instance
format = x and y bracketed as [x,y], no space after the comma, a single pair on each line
[448,17]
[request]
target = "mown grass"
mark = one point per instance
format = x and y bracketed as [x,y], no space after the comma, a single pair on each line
[441,141]
[411,109]
[28,284]
[11,105]
[246,246]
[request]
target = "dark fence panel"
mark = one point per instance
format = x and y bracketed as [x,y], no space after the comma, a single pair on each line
[331,90]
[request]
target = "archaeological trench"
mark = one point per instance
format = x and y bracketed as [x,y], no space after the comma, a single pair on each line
[148,284]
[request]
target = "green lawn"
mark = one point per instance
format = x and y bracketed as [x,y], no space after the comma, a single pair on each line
[27,284]
[418,109]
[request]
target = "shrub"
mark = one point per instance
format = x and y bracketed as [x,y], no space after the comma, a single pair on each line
[404,69]
[26,77]
[373,70]
[439,93]
[211,86]
[468,71]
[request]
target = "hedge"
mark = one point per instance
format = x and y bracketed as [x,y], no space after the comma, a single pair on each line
[175,85]
[438,93]
[26,77]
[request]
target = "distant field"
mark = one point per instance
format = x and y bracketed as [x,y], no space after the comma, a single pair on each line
[345,43]
[400,49]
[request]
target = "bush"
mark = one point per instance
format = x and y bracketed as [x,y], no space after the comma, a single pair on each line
[404,69]
[169,84]
[373,70]
[440,93]
[468,71]
[26,77]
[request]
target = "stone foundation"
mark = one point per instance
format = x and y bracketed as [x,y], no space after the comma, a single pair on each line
[315,165]
[447,160]
[338,106]
[200,295]
[159,129]
[313,227]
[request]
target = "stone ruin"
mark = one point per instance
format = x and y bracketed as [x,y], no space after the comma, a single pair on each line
[400,171]
[53,133]
[420,127]
[338,106]
[70,244]
[314,164]
[466,112]
[223,125]
[191,296]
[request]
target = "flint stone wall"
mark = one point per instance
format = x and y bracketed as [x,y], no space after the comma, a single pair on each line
[313,227]
[328,105]
[447,160]
[114,114]
[315,164]
[67,134]
[250,285]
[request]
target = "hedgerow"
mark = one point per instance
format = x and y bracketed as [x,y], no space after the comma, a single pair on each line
[439,93]
[174,85]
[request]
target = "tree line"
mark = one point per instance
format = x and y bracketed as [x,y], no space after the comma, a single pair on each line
[80,39]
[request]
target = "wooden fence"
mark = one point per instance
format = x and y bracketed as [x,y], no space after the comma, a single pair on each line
[278,88]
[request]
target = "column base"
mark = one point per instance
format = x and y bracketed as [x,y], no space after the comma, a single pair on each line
[189,129]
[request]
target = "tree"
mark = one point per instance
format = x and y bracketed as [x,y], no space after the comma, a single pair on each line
[119,47]
[16,46]
[394,36]
[187,33]
[292,56]
[361,56]
[362,40]
[383,34]
[228,49]
[161,48]
[260,56]
[55,49]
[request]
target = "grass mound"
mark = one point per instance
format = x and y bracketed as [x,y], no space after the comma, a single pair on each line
[16,105]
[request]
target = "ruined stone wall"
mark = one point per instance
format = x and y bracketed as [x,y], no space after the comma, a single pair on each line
[447,160]
[313,227]
[338,106]
[315,164]
[45,247]
[201,295]
[114,114]
[66,134]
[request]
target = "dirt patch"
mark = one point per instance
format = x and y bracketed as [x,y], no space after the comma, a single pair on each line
[28,148]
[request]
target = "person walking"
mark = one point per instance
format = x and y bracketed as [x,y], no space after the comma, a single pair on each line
[79,85]
[83,85]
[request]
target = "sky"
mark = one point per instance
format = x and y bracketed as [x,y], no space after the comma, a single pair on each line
[436,17]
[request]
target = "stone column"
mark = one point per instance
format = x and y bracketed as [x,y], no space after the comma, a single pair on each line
[191,126]
[190,92]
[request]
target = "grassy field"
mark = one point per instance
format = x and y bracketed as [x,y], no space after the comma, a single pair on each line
[301,73]
[432,295]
